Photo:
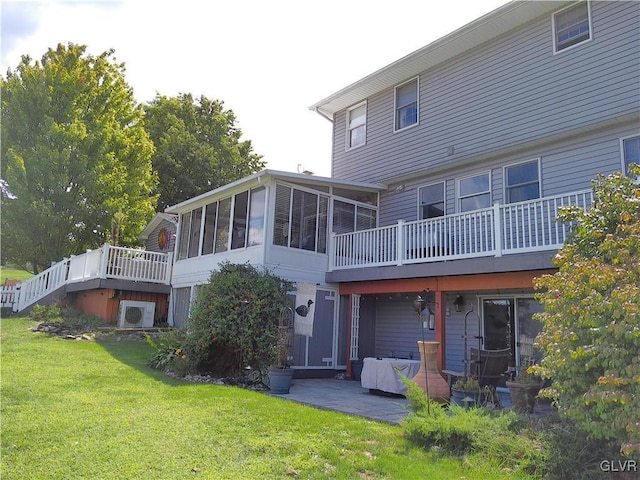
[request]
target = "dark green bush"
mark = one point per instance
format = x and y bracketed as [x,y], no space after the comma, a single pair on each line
[233,324]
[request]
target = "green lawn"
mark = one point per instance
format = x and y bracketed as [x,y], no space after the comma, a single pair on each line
[13,274]
[93,410]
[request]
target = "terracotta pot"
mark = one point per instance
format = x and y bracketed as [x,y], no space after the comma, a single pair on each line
[429,379]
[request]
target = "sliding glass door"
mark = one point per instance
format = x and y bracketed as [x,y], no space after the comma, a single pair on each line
[508,323]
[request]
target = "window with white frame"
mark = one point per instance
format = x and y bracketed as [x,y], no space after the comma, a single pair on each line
[571,26]
[630,152]
[300,219]
[357,126]
[431,201]
[350,217]
[474,192]
[522,181]
[406,101]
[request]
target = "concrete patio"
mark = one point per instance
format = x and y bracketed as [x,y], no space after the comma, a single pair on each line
[349,397]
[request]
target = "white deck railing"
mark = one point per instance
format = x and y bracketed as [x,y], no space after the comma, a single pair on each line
[499,230]
[105,262]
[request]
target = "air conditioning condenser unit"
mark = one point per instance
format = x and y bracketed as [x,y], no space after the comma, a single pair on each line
[135,314]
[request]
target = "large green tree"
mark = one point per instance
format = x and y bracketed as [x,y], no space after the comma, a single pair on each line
[198,147]
[76,158]
[591,321]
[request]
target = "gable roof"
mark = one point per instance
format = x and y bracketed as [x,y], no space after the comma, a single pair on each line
[155,222]
[479,31]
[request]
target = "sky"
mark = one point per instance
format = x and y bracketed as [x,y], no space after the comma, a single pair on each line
[268,61]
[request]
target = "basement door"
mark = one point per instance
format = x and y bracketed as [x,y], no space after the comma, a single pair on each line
[320,350]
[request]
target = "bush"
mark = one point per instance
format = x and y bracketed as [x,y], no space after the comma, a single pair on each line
[591,322]
[571,454]
[46,313]
[500,435]
[170,354]
[234,321]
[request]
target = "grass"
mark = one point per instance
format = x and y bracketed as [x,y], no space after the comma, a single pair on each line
[9,273]
[94,410]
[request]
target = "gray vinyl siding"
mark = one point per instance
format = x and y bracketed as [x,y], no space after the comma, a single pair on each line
[152,242]
[398,328]
[509,92]
[565,166]
[397,331]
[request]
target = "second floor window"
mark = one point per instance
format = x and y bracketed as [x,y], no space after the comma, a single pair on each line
[521,182]
[406,104]
[630,152]
[357,126]
[474,192]
[571,26]
[431,201]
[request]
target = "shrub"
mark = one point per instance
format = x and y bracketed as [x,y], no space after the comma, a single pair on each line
[591,322]
[170,353]
[234,321]
[500,435]
[46,313]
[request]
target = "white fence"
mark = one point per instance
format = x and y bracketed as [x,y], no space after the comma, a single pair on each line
[105,262]
[9,296]
[499,230]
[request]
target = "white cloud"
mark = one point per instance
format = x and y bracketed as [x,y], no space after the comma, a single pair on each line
[268,61]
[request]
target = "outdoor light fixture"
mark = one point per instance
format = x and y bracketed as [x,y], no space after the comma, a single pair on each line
[420,305]
[458,303]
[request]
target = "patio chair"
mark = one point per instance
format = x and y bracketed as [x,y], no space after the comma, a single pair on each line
[489,366]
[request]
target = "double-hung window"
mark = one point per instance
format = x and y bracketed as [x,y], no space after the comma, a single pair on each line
[522,182]
[431,200]
[571,26]
[630,152]
[474,192]
[357,126]
[406,102]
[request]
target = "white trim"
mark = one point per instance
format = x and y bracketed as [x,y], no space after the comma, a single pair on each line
[553,27]
[504,178]
[348,145]
[458,197]
[516,317]
[354,348]
[623,165]
[395,104]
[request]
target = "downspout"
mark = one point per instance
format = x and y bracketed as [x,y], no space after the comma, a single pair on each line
[319,112]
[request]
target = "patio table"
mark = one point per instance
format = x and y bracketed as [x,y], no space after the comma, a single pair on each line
[383,374]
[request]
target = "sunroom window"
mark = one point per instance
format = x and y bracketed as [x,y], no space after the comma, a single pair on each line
[300,219]
[349,217]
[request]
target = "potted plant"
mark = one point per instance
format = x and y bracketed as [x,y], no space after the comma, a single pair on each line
[280,372]
[466,391]
[523,390]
